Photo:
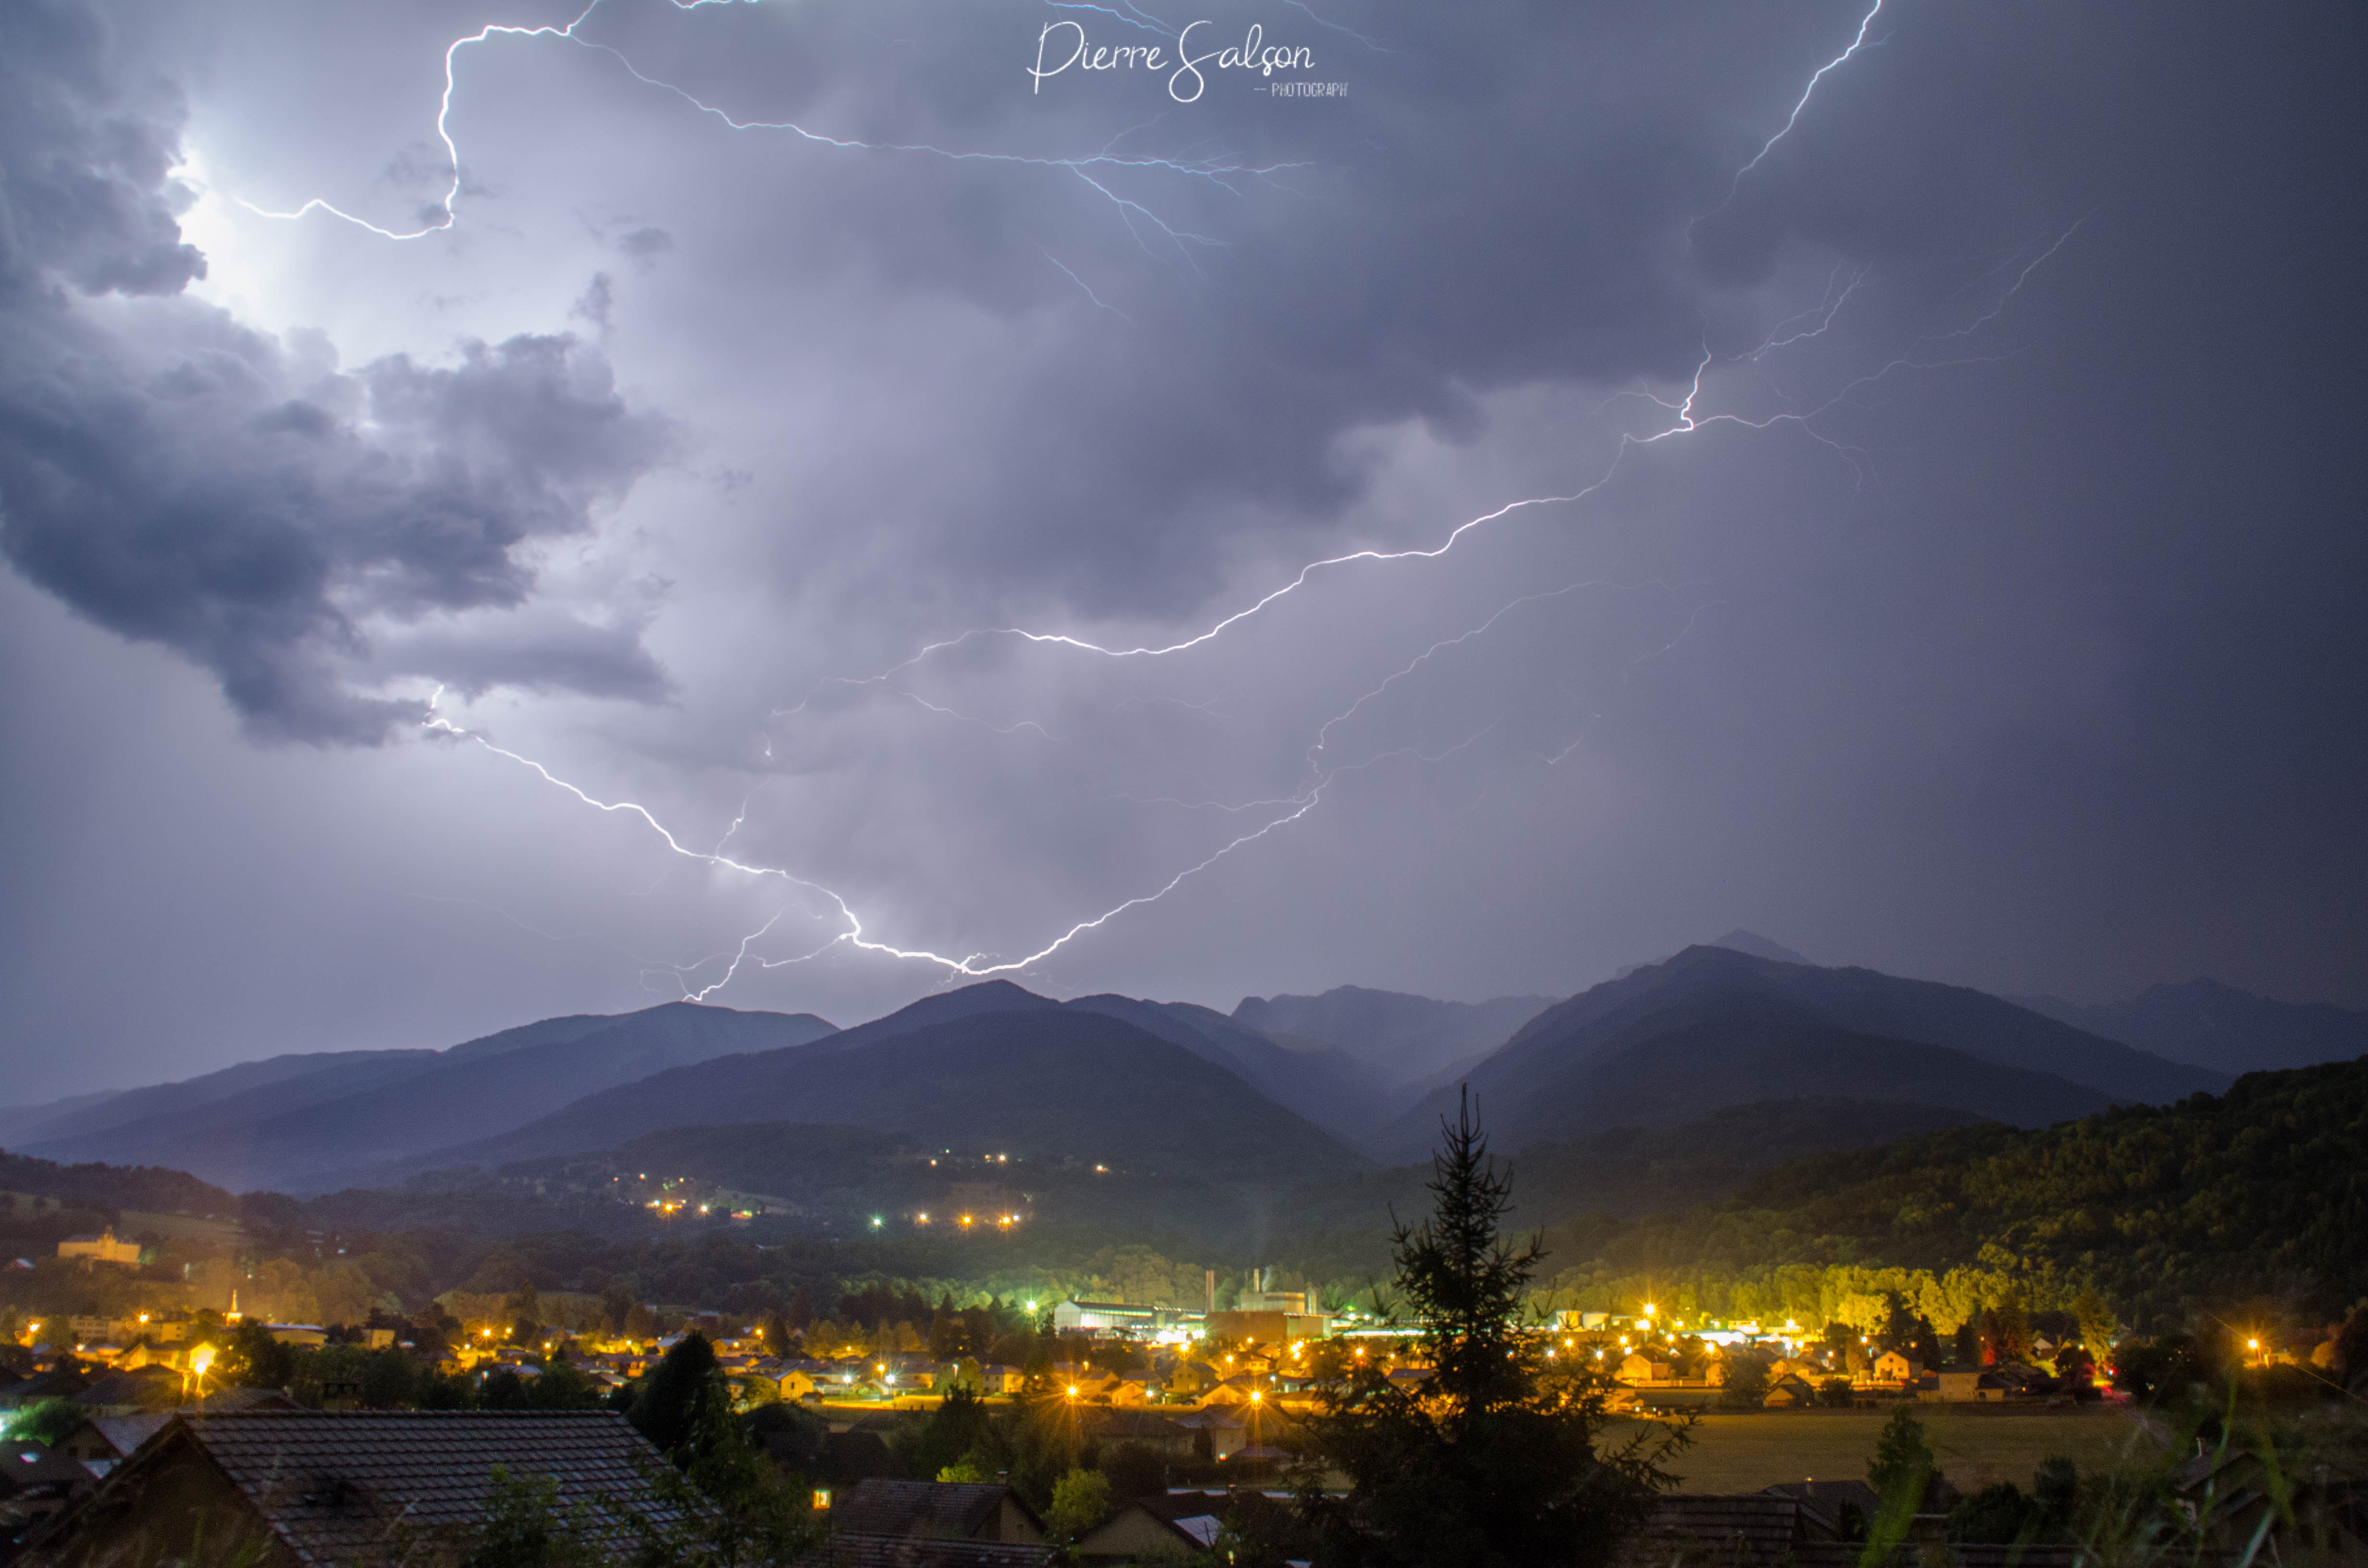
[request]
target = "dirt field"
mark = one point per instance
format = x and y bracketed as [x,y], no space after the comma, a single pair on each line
[1744,1452]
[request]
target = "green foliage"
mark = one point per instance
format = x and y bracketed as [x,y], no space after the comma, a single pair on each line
[254,1359]
[2351,1350]
[43,1421]
[1747,1380]
[1991,1517]
[1494,1461]
[1080,1501]
[2165,1370]
[523,1525]
[667,1402]
[1136,1470]
[954,1433]
[1903,1460]
[2252,1193]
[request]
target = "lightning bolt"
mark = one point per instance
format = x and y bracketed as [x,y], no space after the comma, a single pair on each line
[446,211]
[1686,417]
[1857,42]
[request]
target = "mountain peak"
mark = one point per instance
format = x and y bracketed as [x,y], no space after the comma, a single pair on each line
[1742,941]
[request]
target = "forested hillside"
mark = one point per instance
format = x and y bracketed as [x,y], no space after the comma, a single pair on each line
[2259,1194]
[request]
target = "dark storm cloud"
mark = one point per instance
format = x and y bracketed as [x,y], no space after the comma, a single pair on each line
[1502,199]
[182,480]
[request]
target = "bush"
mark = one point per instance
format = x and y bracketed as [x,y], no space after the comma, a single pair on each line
[2156,1370]
[1081,1500]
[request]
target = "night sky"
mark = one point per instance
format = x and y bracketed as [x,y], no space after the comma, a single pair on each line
[1931,537]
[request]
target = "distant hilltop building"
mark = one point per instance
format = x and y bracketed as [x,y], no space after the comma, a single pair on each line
[101,1248]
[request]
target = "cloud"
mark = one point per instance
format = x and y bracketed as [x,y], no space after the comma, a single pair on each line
[183,479]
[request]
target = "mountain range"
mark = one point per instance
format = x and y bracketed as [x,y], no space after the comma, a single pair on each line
[292,1121]
[1713,1027]
[1284,1090]
[1412,1039]
[2219,1027]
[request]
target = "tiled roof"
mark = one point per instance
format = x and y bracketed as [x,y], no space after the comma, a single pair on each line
[919,1551]
[339,1486]
[151,1388]
[24,1466]
[1750,1529]
[952,1510]
[126,1433]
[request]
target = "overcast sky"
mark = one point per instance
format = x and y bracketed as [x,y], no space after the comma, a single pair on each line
[1918,521]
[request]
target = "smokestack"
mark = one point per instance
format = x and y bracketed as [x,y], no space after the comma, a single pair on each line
[1212,1289]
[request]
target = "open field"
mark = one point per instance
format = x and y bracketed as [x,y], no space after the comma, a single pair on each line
[1745,1451]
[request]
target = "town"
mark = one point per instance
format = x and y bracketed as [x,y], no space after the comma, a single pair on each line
[1082,1430]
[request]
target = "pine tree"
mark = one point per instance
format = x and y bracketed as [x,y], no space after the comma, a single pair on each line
[1494,1461]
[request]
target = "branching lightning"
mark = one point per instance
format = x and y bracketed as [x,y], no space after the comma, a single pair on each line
[446,211]
[1686,416]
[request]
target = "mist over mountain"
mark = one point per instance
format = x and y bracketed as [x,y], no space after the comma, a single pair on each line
[1738,940]
[2219,1027]
[311,1115]
[1409,1038]
[1329,1087]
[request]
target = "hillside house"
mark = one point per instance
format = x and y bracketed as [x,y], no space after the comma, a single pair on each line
[104,1248]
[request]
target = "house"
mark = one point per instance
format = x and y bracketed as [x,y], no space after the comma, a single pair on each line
[1150,1428]
[1638,1369]
[1835,1510]
[61,1381]
[936,1510]
[1753,1531]
[1891,1366]
[1970,1388]
[104,1440]
[1175,1527]
[291,1488]
[101,1248]
[1244,1390]
[1225,1430]
[1789,1393]
[35,1485]
[124,1394]
[917,1551]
